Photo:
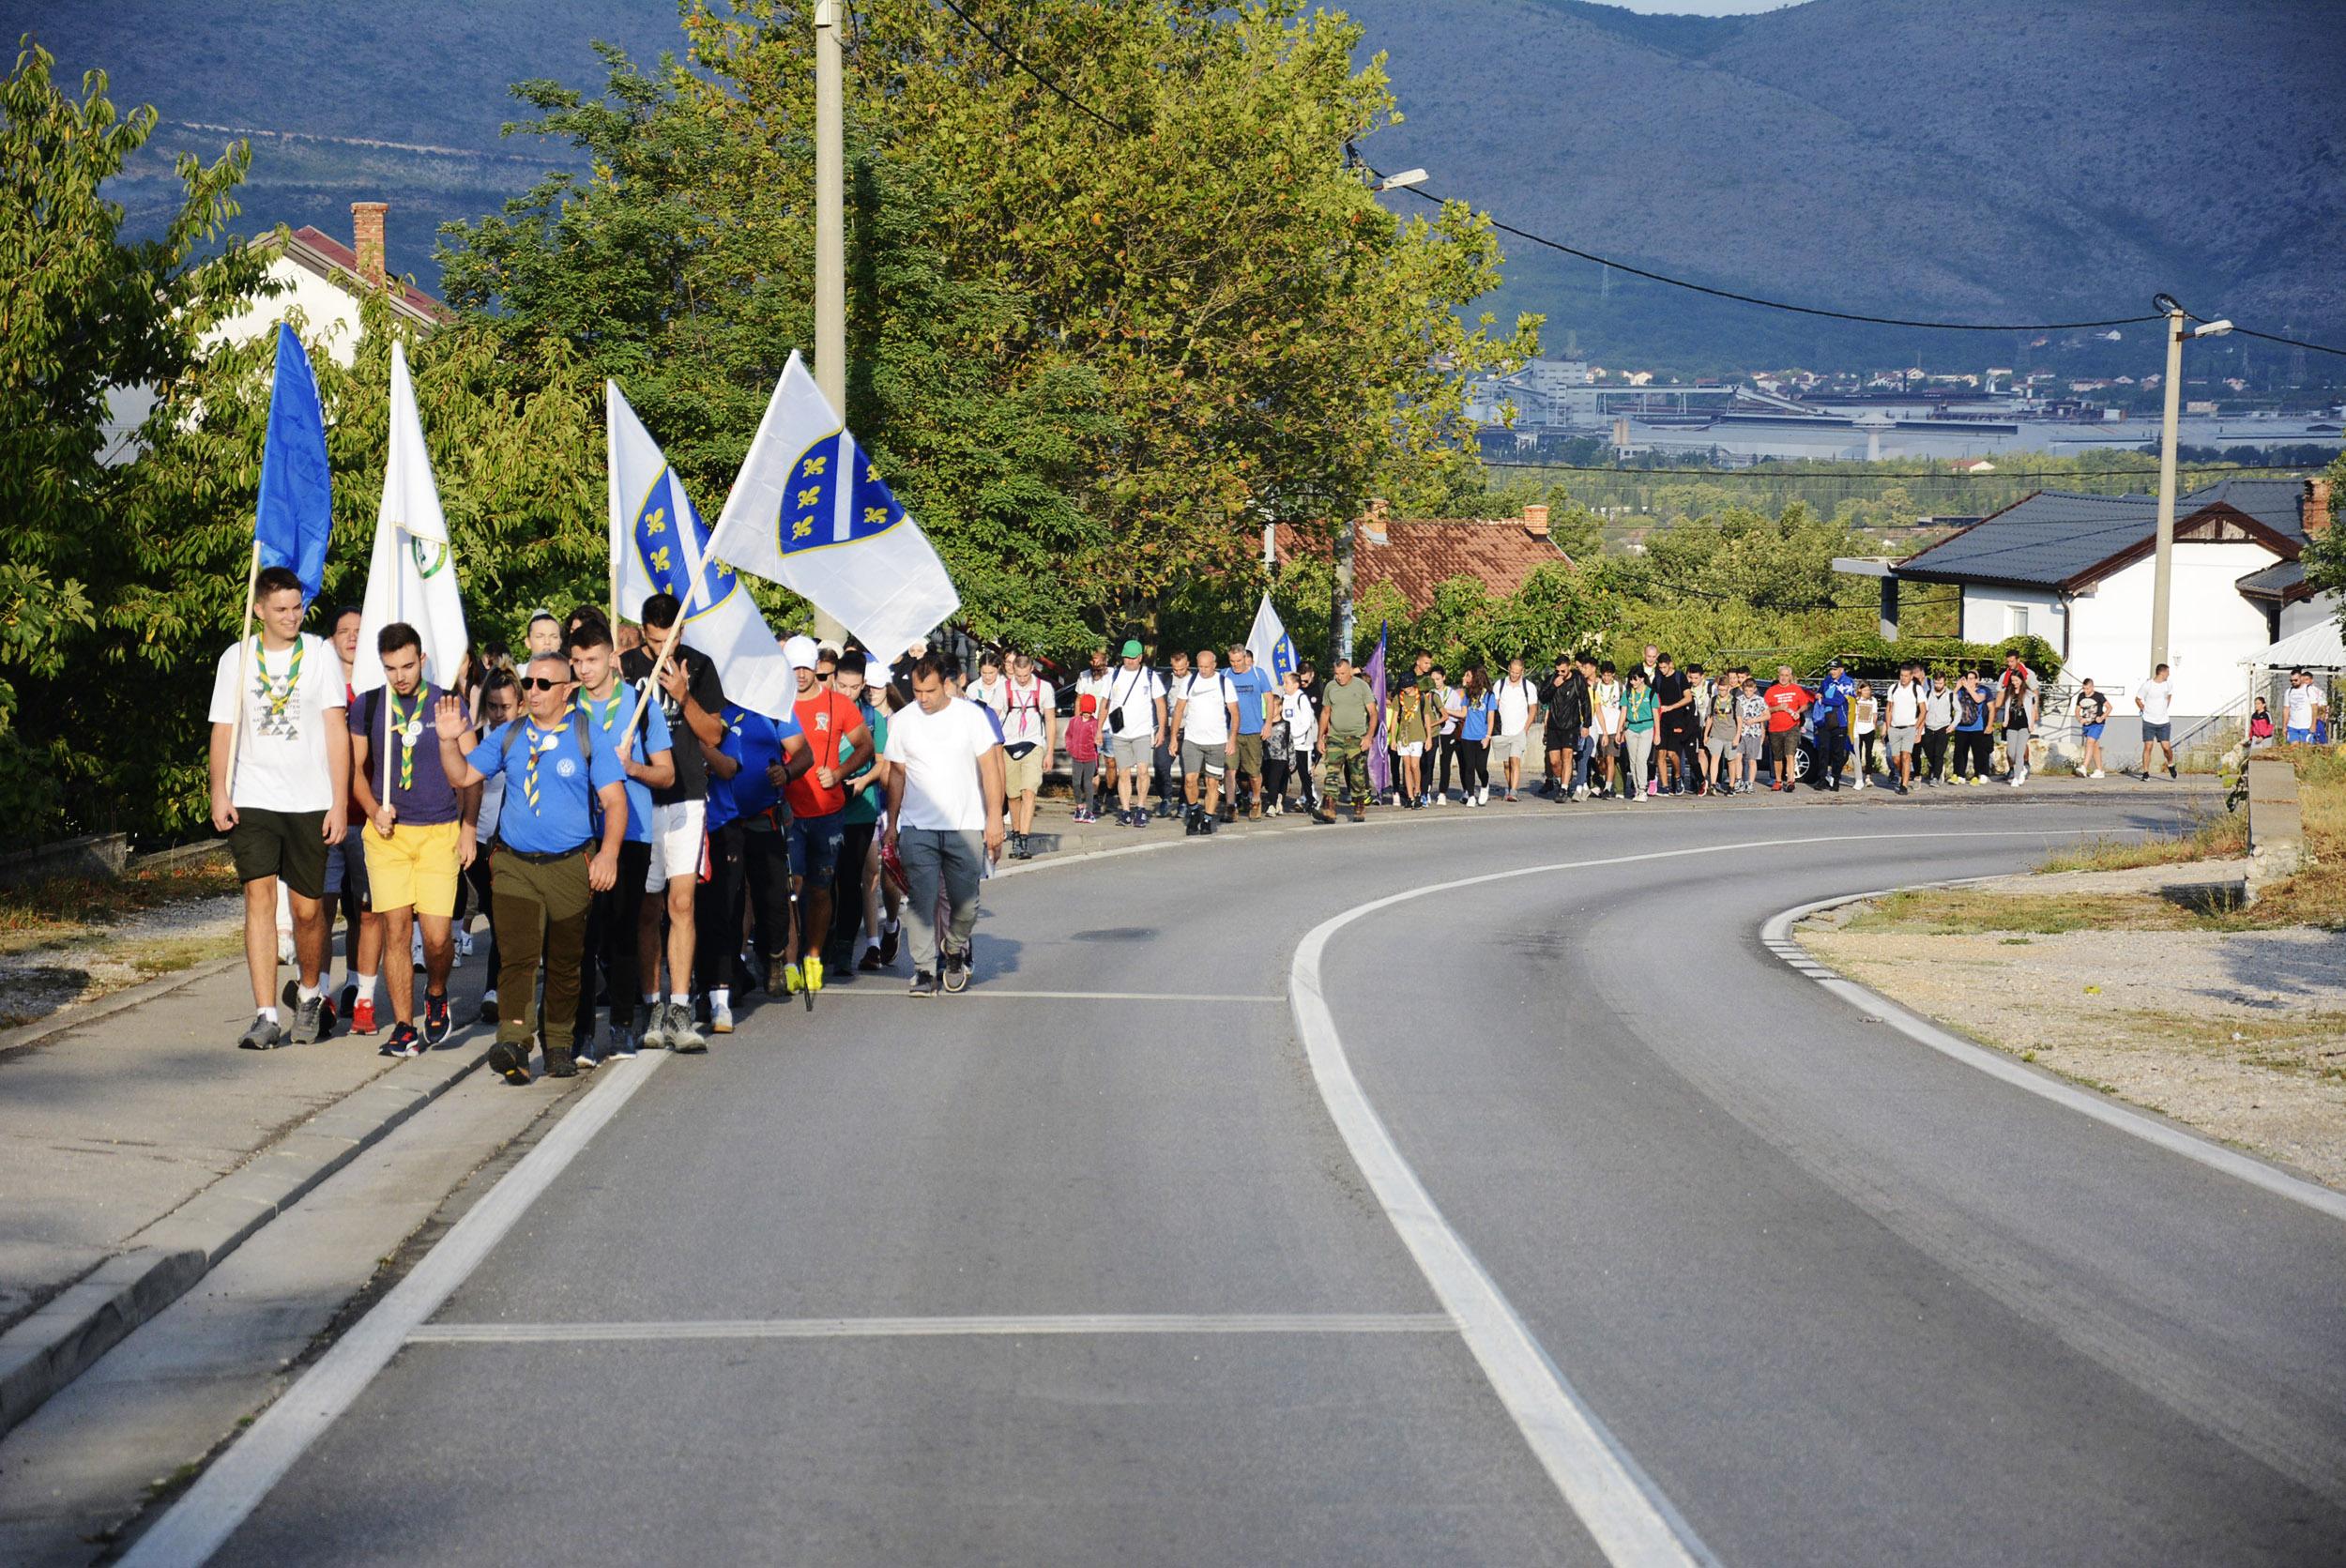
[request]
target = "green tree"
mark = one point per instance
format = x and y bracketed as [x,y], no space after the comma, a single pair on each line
[2325,552]
[80,311]
[1094,349]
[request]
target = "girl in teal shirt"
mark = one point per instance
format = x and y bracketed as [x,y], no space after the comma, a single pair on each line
[1638,718]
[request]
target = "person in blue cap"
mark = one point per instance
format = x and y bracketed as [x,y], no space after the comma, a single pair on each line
[1833,709]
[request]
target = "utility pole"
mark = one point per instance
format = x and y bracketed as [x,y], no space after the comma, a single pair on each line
[831,243]
[2163,568]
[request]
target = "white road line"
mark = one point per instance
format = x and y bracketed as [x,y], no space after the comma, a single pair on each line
[227,1492]
[995,993]
[1622,1507]
[928,1328]
[1996,1065]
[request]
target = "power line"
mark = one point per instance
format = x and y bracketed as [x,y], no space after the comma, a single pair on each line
[1011,56]
[2294,343]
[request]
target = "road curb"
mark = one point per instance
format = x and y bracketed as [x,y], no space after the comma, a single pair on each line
[60,1340]
[1776,934]
[73,1017]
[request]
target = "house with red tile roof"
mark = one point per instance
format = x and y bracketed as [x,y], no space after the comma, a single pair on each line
[1417,556]
[325,280]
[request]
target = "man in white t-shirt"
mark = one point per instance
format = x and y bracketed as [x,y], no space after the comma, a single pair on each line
[1133,715]
[1029,732]
[2302,709]
[944,812]
[2156,701]
[1205,716]
[1519,703]
[1903,714]
[280,790]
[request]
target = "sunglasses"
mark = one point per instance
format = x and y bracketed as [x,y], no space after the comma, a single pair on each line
[541,683]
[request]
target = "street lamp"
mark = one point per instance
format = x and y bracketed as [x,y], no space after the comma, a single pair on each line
[2163,572]
[1401,181]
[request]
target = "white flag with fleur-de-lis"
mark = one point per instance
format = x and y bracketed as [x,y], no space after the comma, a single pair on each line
[660,545]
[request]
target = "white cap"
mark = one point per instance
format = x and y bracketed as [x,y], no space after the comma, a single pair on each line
[799,652]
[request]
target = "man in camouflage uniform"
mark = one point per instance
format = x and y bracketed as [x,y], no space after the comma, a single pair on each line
[1347,727]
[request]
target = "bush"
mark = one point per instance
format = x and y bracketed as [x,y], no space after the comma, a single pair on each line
[1873,658]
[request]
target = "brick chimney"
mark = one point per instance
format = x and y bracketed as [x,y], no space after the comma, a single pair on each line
[1535,520]
[2313,507]
[366,228]
[1378,509]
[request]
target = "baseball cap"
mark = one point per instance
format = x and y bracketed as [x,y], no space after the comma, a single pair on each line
[1132,648]
[1086,703]
[1839,663]
[798,652]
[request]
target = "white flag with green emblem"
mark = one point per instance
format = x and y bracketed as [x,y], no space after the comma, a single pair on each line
[412,577]
[808,513]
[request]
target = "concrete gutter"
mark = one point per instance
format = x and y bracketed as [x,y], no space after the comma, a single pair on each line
[57,1343]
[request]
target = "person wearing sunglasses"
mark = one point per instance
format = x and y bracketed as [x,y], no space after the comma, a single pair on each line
[549,859]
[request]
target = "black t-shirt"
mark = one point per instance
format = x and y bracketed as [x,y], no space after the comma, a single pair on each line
[1670,686]
[700,677]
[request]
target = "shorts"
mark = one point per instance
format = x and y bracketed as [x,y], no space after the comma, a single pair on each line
[2298,737]
[2093,732]
[346,870]
[813,843]
[1135,752]
[415,868]
[1415,748]
[2162,734]
[1212,761]
[1902,739]
[1718,745]
[289,846]
[1753,746]
[1506,749]
[1247,759]
[676,842]
[1022,775]
[1783,746]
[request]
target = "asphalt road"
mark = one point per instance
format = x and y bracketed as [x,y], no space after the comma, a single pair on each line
[1094,1276]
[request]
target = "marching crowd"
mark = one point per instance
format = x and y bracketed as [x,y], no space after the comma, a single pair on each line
[631,834]
[642,847]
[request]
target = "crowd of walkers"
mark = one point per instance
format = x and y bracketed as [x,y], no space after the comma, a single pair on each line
[642,848]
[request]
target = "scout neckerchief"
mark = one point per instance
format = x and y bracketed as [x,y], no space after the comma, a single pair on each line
[541,741]
[277,692]
[409,727]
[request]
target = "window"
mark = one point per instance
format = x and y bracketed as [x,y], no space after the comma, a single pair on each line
[2018,615]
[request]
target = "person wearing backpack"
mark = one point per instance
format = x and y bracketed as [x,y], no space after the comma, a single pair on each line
[1029,715]
[1205,717]
[1083,753]
[550,859]
[1971,702]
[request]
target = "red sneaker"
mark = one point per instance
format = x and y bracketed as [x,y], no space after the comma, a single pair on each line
[362,1016]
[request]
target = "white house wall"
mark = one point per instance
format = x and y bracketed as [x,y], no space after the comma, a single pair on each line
[2211,628]
[1989,612]
[2310,611]
[330,312]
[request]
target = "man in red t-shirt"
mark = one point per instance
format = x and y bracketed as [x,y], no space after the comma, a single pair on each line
[840,743]
[1786,700]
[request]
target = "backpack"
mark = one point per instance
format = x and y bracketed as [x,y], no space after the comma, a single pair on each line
[578,738]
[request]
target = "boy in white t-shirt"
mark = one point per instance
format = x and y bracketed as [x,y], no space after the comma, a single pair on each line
[2156,701]
[281,788]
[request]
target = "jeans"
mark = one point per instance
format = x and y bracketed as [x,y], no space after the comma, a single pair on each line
[934,857]
[1583,758]
[1641,759]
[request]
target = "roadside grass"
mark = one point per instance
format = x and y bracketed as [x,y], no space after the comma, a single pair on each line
[64,908]
[173,954]
[1970,911]
[2216,836]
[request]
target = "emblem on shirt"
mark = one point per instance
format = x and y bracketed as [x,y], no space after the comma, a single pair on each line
[566,768]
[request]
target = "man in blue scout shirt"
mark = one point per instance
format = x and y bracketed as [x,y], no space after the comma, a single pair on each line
[746,772]
[1252,686]
[549,861]
[609,706]
[1833,704]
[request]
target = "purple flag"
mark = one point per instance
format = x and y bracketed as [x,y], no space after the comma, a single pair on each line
[1379,768]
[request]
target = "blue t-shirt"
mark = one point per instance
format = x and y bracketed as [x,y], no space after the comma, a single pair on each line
[755,742]
[1476,725]
[1833,699]
[613,719]
[1251,688]
[562,818]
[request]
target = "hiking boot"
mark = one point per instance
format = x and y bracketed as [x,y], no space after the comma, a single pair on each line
[436,1023]
[777,981]
[651,1026]
[511,1062]
[1323,814]
[309,1020]
[682,1035]
[559,1064]
[263,1036]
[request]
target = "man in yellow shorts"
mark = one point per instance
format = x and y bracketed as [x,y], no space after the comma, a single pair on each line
[418,834]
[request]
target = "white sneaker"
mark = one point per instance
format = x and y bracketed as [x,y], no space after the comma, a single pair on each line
[1861,781]
[1483,796]
[464,944]
[2094,774]
[285,947]
[721,1017]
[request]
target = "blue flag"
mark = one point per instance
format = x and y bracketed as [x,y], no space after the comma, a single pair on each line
[297,509]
